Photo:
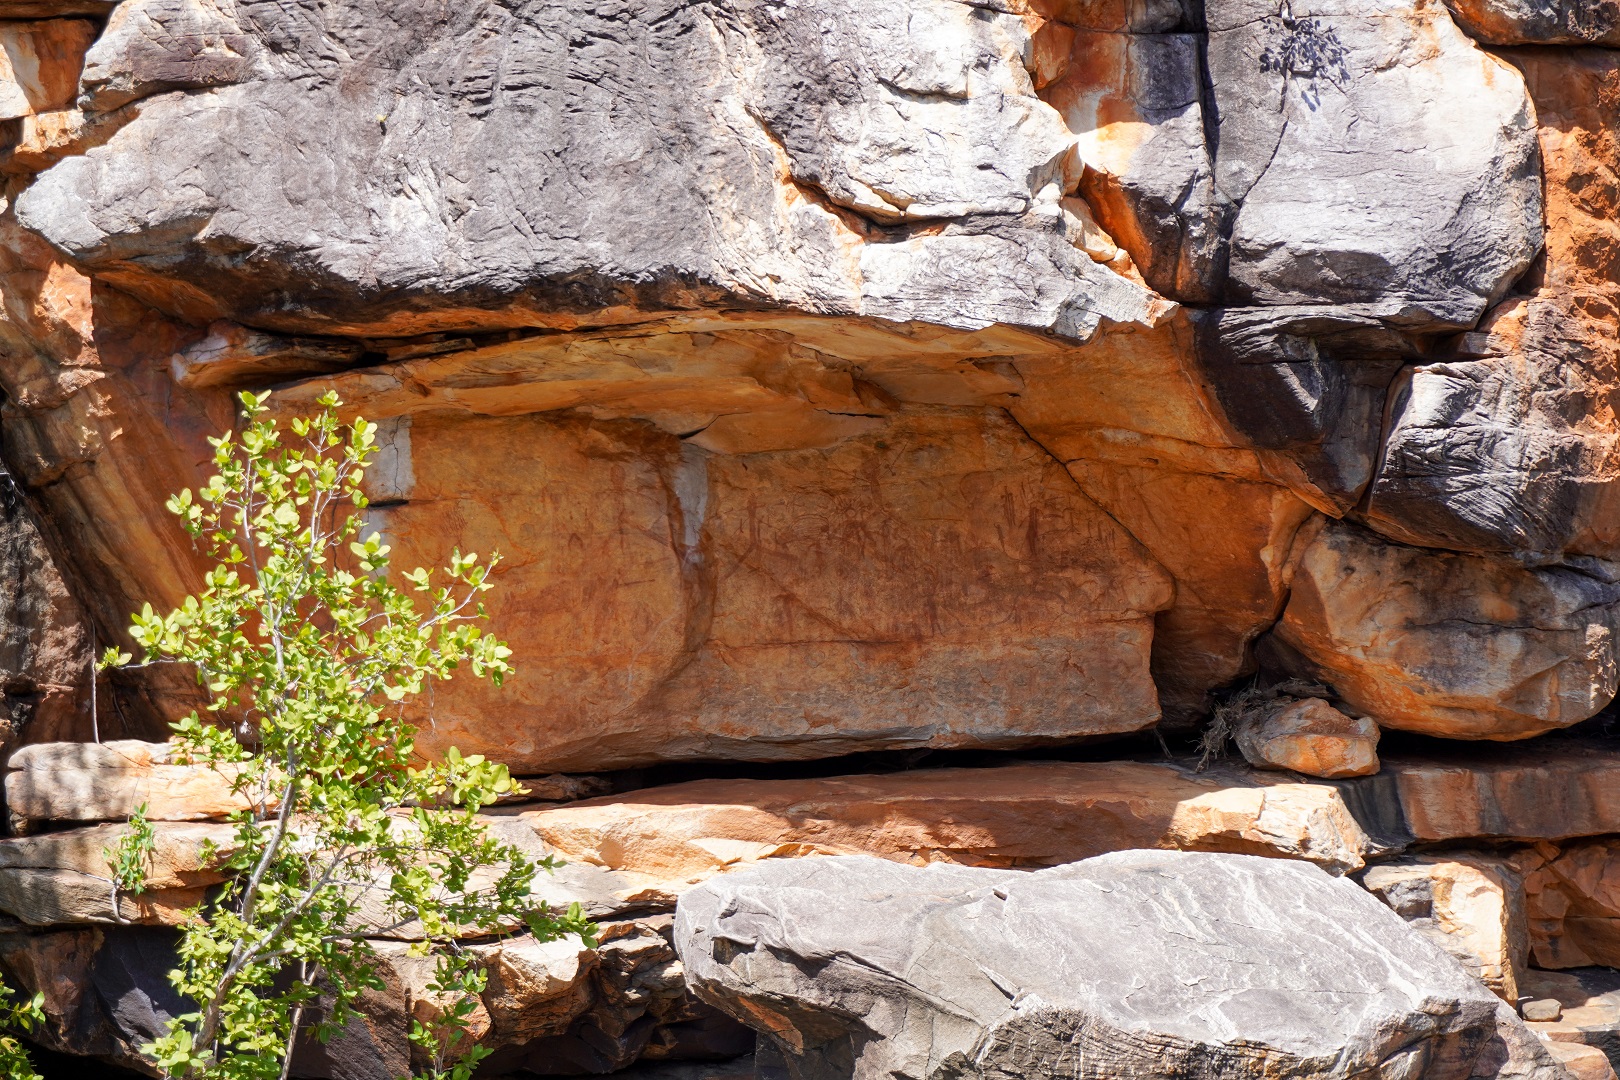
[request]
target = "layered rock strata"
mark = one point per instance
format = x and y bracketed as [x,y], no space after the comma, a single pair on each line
[960,378]
[843,377]
[1500,909]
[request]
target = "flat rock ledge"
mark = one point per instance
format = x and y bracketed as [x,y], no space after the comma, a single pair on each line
[1490,865]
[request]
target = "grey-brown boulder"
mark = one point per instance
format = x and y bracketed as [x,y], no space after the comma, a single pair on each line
[931,119]
[1463,646]
[1307,735]
[1507,439]
[1539,22]
[1305,385]
[1133,964]
[1376,157]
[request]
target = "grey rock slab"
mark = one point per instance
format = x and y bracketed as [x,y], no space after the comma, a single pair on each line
[1308,384]
[1502,446]
[1540,22]
[1377,156]
[1153,188]
[1133,964]
[408,166]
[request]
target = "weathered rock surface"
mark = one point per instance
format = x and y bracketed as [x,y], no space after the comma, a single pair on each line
[757,184]
[1573,899]
[1470,905]
[1226,965]
[1136,101]
[1016,816]
[105,988]
[1309,736]
[1531,792]
[39,65]
[1463,646]
[1133,418]
[44,659]
[818,367]
[108,781]
[785,320]
[1508,442]
[1313,100]
[784,605]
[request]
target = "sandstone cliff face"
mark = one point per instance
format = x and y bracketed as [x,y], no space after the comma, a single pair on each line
[840,375]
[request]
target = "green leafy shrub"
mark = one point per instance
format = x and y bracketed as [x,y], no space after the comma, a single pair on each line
[18,1016]
[302,637]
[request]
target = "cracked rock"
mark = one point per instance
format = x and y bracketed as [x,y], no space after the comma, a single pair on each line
[1128,965]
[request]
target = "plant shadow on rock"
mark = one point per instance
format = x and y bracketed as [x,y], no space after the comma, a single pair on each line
[1308,54]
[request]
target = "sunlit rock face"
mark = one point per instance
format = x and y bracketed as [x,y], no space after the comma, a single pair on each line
[840,376]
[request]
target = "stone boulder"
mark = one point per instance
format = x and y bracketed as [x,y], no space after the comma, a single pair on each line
[1471,905]
[1461,646]
[1376,156]
[108,781]
[1307,735]
[755,183]
[1132,964]
[106,989]
[1505,439]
